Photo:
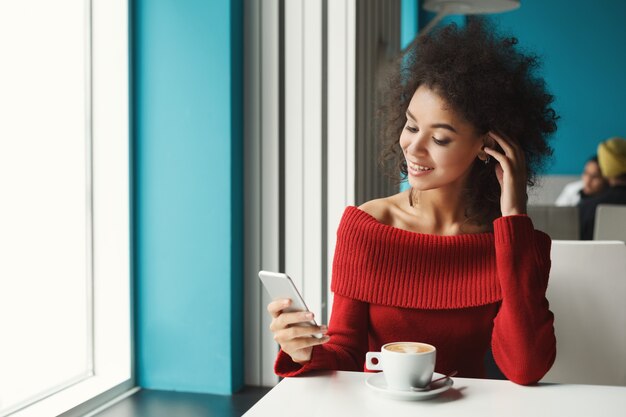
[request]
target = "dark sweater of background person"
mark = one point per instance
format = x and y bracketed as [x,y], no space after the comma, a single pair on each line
[587,207]
[612,161]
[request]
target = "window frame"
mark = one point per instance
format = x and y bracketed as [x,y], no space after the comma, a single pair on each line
[109,159]
[277,92]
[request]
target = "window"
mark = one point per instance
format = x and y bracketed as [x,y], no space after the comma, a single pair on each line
[64,218]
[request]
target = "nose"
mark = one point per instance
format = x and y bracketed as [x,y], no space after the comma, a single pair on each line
[417,144]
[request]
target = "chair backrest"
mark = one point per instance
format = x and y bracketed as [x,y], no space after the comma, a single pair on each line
[587,294]
[558,222]
[610,222]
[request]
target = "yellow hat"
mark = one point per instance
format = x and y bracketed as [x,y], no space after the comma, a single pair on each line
[612,157]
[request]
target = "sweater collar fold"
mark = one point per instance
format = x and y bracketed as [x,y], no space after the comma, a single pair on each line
[381,264]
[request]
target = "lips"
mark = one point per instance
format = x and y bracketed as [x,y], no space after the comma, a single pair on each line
[417,167]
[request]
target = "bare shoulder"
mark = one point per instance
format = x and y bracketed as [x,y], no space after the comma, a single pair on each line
[383,209]
[378,208]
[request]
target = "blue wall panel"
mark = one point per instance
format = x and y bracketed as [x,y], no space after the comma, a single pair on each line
[582,46]
[188,182]
[409,13]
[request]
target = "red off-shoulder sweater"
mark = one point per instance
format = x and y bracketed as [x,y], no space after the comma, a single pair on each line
[458,293]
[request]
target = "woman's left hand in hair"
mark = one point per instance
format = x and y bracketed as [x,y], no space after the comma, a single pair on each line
[511,174]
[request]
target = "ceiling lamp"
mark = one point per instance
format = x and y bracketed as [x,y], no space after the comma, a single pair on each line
[444,8]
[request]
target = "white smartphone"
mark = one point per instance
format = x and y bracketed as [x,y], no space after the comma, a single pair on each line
[279,286]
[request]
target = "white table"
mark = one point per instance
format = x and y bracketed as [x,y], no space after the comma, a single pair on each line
[344,394]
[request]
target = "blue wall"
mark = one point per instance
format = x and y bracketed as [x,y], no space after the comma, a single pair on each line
[582,45]
[187,87]
[410,12]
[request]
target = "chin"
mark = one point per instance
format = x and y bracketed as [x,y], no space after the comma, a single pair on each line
[417,186]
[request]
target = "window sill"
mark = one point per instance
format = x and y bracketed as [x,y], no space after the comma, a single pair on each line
[79,398]
[155,403]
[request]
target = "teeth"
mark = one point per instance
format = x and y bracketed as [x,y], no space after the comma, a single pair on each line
[418,167]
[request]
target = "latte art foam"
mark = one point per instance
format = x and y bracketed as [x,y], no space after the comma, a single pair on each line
[409,348]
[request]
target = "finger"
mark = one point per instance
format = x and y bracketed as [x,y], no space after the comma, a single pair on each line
[515,165]
[307,330]
[277,306]
[286,335]
[303,343]
[514,150]
[501,158]
[296,332]
[288,319]
[500,174]
[507,146]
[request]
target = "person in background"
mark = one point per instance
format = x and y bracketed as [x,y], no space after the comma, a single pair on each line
[454,261]
[592,183]
[612,160]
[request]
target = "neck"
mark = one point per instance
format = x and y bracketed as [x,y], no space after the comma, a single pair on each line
[442,211]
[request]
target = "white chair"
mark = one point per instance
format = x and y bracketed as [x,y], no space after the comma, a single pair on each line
[556,221]
[587,293]
[610,222]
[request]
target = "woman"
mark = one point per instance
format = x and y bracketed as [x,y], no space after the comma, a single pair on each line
[591,184]
[454,261]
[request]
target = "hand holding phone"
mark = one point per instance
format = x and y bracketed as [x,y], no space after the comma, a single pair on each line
[292,322]
[280,286]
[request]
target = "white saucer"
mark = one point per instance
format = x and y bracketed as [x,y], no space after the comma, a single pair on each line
[377,383]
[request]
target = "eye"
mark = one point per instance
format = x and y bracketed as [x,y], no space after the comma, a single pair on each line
[441,142]
[411,129]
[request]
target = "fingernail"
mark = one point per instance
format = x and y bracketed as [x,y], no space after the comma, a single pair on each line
[309,315]
[323,328]
[286,302]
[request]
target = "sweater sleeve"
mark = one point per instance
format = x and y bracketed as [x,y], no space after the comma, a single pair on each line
[348,330]
[523,341]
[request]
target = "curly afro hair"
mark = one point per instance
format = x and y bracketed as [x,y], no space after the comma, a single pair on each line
[486,79]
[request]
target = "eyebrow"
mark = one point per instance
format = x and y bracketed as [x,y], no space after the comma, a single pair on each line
[436,125]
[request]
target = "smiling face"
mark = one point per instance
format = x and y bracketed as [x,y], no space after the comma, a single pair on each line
[439,145]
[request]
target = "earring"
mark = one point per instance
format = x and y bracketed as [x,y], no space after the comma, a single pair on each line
[487,156]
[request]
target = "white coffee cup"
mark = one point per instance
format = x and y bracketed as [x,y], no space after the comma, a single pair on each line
[404,364]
